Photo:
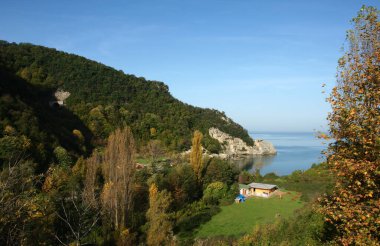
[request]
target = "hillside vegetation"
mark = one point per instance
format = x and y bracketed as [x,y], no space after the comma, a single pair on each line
[101,100]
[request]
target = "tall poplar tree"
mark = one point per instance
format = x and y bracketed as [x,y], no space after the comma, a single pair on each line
[354,207]
[196,154]
[92,165]
[119,172]
[160,226]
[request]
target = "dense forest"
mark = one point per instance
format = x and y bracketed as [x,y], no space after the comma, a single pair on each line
[101,100]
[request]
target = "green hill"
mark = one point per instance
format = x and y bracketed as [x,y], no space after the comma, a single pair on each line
[101,100]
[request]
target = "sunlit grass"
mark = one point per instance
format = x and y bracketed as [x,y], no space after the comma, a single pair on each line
[238,219]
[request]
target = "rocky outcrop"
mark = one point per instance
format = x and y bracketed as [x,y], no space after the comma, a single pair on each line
[236,147]
[60,97]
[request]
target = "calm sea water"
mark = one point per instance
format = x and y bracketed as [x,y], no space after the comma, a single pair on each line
[295,151]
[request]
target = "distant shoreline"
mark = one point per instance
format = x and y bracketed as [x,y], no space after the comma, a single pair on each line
[279,132]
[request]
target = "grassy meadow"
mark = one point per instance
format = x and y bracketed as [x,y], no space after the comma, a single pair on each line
[240,218]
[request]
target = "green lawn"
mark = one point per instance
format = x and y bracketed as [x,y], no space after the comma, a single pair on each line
[238,219]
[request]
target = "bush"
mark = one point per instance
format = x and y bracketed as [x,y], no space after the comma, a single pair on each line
[219,170]
[271,176]
[214,193]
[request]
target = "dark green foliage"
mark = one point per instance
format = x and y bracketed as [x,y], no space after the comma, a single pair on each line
[25,109]
[271,176]
[181,182]
[191,217]
[62,156]
[214,192]
[211,144]
[141,195]
[245,177]
[102,99]
[219,170]
[219,193]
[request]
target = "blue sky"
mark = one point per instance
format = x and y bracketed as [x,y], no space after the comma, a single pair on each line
[262,62]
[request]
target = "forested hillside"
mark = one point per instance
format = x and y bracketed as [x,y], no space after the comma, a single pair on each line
[101,100]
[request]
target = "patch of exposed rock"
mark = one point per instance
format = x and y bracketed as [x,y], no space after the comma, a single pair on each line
[236,147]
[60,97]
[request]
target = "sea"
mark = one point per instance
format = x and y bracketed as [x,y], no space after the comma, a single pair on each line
[295,151]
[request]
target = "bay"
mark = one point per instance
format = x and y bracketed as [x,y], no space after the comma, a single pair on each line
[295,151]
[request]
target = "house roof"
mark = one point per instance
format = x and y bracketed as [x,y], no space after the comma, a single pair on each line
[243,186]
[262,186]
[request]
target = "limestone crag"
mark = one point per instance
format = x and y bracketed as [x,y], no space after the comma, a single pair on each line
[236,147]
[60,96]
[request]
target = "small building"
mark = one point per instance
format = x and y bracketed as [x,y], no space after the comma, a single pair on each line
[244,190]
[257,189]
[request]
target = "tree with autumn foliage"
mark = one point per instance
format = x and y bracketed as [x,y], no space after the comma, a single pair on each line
[196,154]
[119,172]
[21,211]
[92,165]
[354,207]
[159,224]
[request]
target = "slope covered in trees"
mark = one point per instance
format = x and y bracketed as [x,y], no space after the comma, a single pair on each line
[101,100]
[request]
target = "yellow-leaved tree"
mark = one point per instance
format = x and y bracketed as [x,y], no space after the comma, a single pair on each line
[119,170]
[354,207]
[196,154]
[159,224]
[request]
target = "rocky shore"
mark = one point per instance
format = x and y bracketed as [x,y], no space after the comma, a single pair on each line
[236,148]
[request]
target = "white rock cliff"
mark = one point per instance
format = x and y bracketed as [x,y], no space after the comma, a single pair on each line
[236,147]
